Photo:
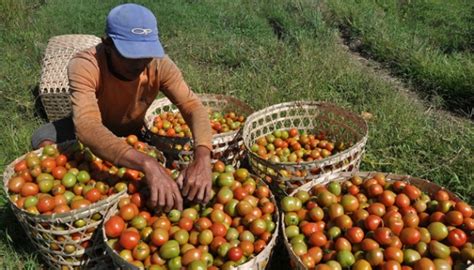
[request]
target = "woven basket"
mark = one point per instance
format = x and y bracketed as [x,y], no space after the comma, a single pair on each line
[426,186]
[310,116]
[259,262]
[227,147]
[54,83]
[43,229]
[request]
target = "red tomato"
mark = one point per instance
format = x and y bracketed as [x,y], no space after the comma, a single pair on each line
[464,208]
[318,239]
[93,195]
[412,192]
[114,226]
[45,204]
[128,212]
[159,236]
[383,235]
[355,235]
[129,239]
[372,222]
[235,254]
[457,237]
[410,236]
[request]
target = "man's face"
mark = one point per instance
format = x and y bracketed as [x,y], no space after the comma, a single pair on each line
[129,69]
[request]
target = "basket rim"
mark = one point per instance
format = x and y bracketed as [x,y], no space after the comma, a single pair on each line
[231,133]
[268,248]
[342,176]
[359,144]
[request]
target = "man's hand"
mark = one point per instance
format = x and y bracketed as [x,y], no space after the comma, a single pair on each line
[164,192]
[195,181]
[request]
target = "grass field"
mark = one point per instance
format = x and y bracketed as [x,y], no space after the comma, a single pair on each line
[428,42]
[263,52]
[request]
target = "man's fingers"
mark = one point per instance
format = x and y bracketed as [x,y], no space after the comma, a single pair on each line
[169,201]
[161,197]
[178,200]
[193,192]
[153,200]
[207,198]
[180,180]
[186,188]
[201,193]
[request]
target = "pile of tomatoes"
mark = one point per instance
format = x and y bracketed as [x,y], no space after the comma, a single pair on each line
[294,146]
[375,223]
[53,182]
[172,124]
[232,229]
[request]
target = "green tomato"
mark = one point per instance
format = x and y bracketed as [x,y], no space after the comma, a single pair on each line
[438,231]
[83,176]
[291,218]
[292,231]
[30,201]
[69,180]
[69,196]
[291,204]
[174,215]
[334,188]
[410,256]
[175,263]
[225,179]
[439,250]
[46,185]
[169,249]
[345,258]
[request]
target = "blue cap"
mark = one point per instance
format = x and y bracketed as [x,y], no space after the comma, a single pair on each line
[134,30]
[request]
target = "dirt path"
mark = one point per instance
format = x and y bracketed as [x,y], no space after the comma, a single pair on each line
[352,47]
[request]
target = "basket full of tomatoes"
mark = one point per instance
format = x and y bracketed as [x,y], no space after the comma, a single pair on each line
[294,142]
[371,220]
[236,230]
[60,195]
[168,131]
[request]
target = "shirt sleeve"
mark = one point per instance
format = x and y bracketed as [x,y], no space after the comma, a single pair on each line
[83,81]
[177,91]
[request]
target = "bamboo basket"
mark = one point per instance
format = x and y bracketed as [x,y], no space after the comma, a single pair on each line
[313,117]
[424,185]
[259,262]
[42,230]
[227,147]
[54,83]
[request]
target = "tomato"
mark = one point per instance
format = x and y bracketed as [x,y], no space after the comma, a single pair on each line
[395,224]
[383,235]
[334,210]
[439,250]
[441,195]
[190,256]
[141,251]
[128,212]
[202,224]
[412,192]
[402,200]
[438,231]
[190,213]
[410,236]
[317,239]
[372,222]
[343,222]
[377,209]
[114,226]
[48,164]
[80,203]
[369,244]
[235,254]
[355,235]
[29,189]
[316,214]
[455,218]
[169,249]
[411,220]
[129,239]
[15,184]
[345,258]
[349,203]
[387,198]
[342,244]
[374,190]
[93,195]
[258,226]
[138,222]
[69,180]
[45,204]
[291,204]
[361,265]
[326,198]
[464,208]
[457,237]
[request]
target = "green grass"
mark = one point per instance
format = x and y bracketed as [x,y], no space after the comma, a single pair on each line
[428,42]
[263,52]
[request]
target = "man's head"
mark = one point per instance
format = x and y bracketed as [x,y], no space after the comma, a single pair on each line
[134,31]
[132,40]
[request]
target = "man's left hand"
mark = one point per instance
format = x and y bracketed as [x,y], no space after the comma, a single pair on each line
[195,181]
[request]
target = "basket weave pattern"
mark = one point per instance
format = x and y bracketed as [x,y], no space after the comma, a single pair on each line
[44,229]
[313,117]
[228,147]
[424,185]
[258,262]
[54,83]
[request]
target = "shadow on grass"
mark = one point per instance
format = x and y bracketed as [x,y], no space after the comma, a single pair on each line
[13,234]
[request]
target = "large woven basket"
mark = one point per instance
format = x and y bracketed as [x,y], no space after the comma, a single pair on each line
[313,117]
[426,186]
[227,147]
[54,83]
[43,229]
[259,262]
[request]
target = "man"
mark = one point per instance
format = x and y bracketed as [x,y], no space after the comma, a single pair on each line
[112,85]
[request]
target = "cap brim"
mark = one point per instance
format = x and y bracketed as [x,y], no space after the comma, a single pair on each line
[139,49]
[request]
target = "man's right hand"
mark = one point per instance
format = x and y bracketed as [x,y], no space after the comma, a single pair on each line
[164,192]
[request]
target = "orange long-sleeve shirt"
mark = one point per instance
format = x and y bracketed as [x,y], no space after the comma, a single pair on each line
[105,107]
